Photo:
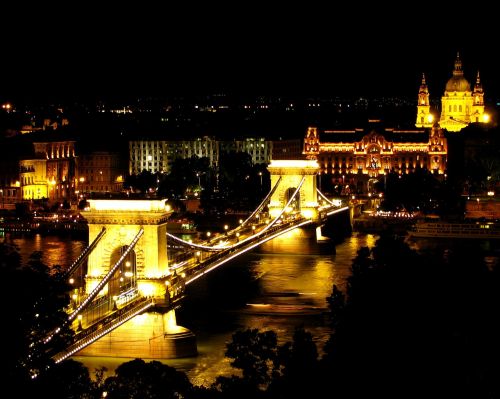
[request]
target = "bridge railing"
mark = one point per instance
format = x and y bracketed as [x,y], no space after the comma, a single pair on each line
[92,334]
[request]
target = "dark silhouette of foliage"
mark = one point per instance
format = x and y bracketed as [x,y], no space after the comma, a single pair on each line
[141,380]
[36,297]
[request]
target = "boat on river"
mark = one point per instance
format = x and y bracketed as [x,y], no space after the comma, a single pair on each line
[443,229]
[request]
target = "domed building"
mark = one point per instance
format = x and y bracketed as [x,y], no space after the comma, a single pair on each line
[459,105]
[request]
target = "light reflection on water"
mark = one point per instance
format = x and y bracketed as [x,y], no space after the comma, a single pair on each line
[56,250]
[291,277]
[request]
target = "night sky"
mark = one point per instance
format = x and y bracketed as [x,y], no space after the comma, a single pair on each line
[241,50]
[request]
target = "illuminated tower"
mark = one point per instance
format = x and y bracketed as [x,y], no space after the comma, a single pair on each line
[478,102]
[461,106]
[424,116]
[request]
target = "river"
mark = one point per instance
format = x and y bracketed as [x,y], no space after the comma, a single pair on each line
[280,286]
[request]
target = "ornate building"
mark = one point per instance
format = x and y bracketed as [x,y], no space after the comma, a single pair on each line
[361,157]
[51,173]
[460,105]
[424,116]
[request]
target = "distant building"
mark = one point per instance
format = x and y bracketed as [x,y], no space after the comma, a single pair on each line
[33,178]
[361,157]
[259,149]
[287,149]
[158,156]
[51,173]
[99,172]
[460,105]
[424,116]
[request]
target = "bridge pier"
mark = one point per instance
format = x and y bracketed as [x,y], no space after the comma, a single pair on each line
[151,335]
[144,272]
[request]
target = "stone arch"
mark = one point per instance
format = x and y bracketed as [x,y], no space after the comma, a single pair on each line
[125,277]
[295,204]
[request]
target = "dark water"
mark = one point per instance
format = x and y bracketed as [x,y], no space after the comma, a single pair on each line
[281,285]
[55,250]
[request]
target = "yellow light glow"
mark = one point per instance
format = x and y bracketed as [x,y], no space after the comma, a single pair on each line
[127,205]
[430,118]
[297,163]
[146,289]
[486,118]
[308,213]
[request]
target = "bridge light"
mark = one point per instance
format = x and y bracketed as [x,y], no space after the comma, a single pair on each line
[71,280]
[208,234]
[241,220]
[129,274]
[127,263]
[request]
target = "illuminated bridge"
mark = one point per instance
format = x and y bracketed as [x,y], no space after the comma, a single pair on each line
[123,302]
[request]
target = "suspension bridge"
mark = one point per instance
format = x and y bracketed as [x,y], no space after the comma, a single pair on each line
[125,287]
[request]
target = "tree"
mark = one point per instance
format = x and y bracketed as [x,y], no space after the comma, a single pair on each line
[141,380]
[36,297]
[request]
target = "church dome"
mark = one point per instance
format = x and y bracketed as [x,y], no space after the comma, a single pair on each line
[458,83]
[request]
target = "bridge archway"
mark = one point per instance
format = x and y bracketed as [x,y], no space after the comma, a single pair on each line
[126,276]
[142,225]
[295,203]
[294,174]
[123,219]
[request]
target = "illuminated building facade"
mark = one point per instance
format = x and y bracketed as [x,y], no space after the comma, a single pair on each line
[33,178]
[99,172]
[361,157]
[424,116]
[460,105]
[158,156]
[51,173]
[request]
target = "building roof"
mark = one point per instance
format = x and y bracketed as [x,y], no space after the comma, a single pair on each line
[457,82]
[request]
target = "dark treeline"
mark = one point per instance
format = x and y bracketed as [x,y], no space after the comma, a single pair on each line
[409,325]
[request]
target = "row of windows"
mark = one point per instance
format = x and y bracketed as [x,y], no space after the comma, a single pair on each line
[457,108]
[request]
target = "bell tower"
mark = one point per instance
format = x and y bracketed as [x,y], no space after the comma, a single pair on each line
[478,114]
[424,116]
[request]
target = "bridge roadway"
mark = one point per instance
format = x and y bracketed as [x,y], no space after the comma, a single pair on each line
[239,241]
[131,303]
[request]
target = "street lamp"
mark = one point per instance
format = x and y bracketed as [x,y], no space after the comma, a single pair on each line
[260,174]
[199,179]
